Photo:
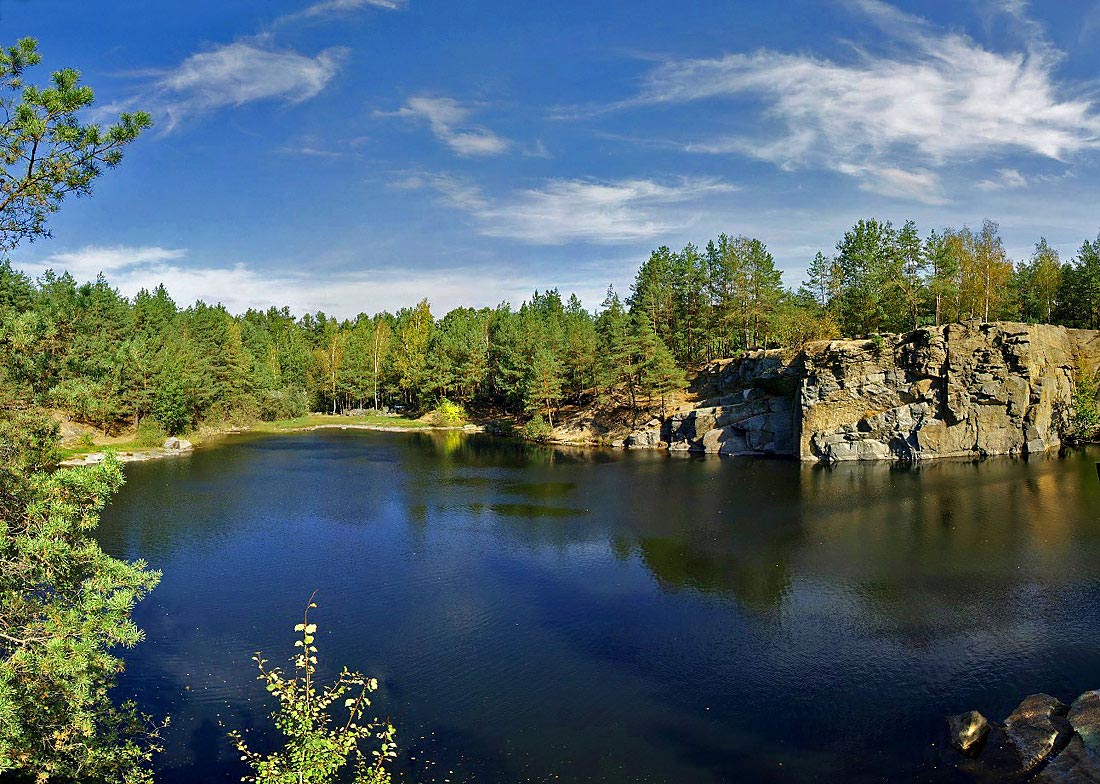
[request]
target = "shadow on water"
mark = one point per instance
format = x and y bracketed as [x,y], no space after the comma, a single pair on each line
[595,615]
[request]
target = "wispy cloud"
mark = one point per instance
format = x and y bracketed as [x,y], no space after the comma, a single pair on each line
[564,211]
[890,119]
[330,8]
[89,261]
[917,185]
[236,74]
[448,120]
[1007,179]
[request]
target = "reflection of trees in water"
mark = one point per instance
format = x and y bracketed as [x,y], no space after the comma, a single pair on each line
[479,450]
[757,579]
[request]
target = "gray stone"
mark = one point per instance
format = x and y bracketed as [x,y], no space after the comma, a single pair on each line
[1084,717]
[1076,764]
[172,443]
[962,390]
[1034,729]
[968,732]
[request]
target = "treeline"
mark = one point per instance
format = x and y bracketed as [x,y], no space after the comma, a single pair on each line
[885,279]
[114,362]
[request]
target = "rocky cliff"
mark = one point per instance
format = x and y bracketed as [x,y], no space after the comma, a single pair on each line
[969,389]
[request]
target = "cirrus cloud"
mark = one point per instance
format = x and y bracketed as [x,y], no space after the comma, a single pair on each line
[448,120]
[892,118]
[605,212]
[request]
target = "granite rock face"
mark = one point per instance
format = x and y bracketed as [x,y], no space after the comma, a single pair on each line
[751,410]
[963,390]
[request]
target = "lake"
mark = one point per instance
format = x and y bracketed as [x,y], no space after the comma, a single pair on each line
[538,614]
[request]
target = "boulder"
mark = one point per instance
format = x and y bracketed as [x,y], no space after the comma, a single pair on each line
[185,445]
[649,438]
[1075,765]
[968,732]
[172,443]
[1084,717]
[1037,729]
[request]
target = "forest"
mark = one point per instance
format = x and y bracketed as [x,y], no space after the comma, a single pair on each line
[116,362]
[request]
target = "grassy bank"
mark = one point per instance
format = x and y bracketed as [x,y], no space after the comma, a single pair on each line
[208,433]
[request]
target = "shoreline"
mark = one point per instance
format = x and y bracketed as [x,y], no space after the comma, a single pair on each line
[97,454]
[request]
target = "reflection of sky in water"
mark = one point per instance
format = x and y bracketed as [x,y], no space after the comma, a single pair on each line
[535,612]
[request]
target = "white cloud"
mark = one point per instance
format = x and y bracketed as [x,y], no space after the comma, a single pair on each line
[563,211]
[447,119]
[89,261]
[1007,179]
[236,74]
[327,8]
[369,290]
[940,98]
[917,185]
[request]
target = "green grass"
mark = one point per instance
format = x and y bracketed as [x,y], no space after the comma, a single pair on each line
[281,426]
[83,449]
[327,420]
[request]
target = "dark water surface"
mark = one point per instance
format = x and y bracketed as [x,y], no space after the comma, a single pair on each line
[547,615]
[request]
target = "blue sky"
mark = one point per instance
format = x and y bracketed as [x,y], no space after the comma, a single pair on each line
[354,155]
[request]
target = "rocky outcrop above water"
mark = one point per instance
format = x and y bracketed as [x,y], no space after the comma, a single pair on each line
[964,390]
[750,411]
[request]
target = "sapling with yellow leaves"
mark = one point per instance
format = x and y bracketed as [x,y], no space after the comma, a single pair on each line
[319,748]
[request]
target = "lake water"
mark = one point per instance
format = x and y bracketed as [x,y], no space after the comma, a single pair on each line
[540,615]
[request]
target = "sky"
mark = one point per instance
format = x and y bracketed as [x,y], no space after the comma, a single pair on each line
[356,155]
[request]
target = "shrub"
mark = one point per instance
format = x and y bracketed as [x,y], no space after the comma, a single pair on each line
[149,433]
[318,748]
[448,413]
[286,403]
[170,407]
[1085,423]
[86,440]
[537,429]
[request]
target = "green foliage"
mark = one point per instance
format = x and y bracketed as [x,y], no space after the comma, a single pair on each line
[448,414]
[537,429]
[150,433]
[64,607]
[171,407]
[48,154]
[1085,424]
[318,748]
[287,403]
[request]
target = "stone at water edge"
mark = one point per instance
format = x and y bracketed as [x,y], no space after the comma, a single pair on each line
[185,445]
[172,443]
[1084,717]
[1075,765]
[1037,729]
[968,732]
